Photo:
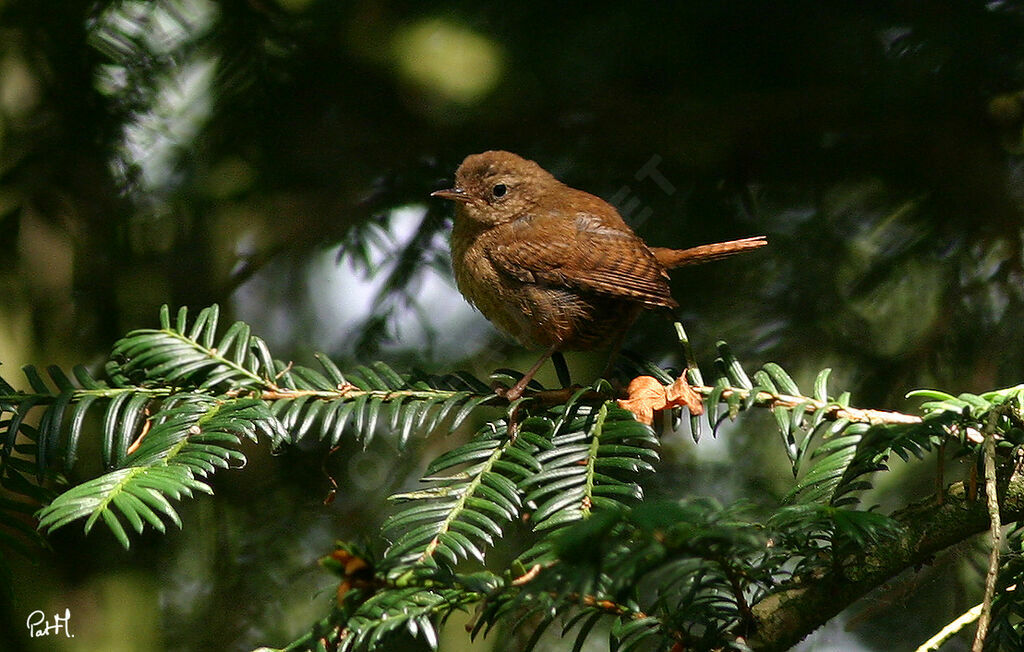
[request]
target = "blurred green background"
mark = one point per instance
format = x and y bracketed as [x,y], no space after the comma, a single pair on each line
[276,157]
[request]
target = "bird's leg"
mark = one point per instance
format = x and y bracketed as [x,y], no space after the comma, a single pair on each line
[618,337]
[516,391]
[561,368]
[613,354]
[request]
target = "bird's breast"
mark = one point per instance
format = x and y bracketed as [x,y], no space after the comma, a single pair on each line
[538,315]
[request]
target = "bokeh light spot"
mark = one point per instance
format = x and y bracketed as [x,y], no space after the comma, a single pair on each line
[448,60]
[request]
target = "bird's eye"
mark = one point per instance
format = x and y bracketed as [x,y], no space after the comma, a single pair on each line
[499,190]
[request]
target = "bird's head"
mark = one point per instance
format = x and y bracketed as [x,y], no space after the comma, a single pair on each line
[495,187]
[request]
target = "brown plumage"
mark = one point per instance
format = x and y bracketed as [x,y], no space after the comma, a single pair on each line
[555,267]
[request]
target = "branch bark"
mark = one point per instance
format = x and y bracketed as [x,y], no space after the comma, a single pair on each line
[785,618]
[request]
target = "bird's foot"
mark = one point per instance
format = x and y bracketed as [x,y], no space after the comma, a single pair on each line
[501,391]
[510,394]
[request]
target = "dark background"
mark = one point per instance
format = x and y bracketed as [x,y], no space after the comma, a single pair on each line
[276,158]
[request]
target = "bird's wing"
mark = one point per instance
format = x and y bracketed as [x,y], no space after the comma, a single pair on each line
[585,253]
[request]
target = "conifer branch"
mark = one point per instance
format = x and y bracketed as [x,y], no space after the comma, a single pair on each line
[784,618]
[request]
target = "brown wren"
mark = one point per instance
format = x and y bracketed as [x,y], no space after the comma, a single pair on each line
[555,267]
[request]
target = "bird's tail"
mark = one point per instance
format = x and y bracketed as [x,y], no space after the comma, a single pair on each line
[670,258]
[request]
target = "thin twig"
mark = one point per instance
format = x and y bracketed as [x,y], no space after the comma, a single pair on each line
[988,449]
[953,628]
[940,473]
[528,576]
[145,430]
[950,630]
[833,411]
[746,615]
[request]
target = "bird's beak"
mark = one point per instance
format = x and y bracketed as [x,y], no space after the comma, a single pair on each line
[454,194]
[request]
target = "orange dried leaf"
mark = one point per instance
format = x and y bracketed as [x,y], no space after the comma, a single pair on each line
[681,394]
[646,395]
